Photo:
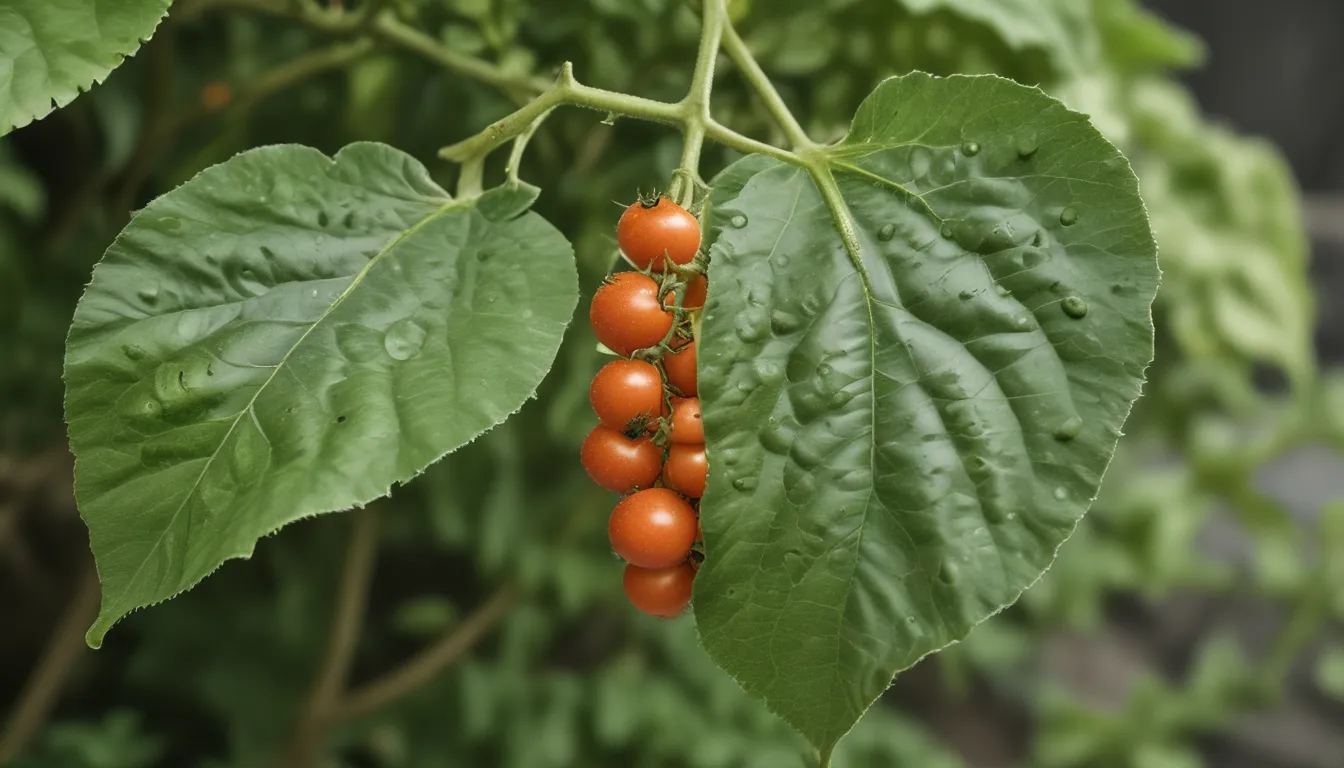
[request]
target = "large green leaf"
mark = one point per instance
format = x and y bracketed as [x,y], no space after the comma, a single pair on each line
[53,50]
[904,427]
[289,334]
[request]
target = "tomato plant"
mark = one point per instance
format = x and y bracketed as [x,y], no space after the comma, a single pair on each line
[662,592]
[887,319]
[650,234]
[653,528]
[619,463]
[627,394]
[628,314]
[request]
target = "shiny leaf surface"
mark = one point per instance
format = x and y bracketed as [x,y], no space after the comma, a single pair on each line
[287,335]
[914,367]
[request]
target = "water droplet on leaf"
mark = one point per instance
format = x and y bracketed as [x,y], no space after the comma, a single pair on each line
[738,221]
[149,294]
[404,339]
[1069,216]
[1027,145]
[970,149]
[887,232]
[1069,429]
[1061,494]
[1074,307]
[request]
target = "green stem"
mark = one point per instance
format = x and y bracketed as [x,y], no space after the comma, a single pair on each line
[696,101]
[564,91]
[760,82]
[384,26]
[520,145]
[390,29]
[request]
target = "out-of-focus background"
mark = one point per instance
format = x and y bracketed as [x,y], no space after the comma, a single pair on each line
[1192,621]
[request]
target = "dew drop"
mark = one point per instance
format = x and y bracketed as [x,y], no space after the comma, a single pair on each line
[1001,289]
[1069,216]
[133,352]
[738,221]
[323,219]
[946,230]
[1061,494]
[824,370]
[887,232]
[1011,516]
[767,371]
[950,573]
[909,619]
[1027,145]
[1069,429]
[783,323]
[747,329]
[744,483]
[970,149]
[149,294]
[1074,307]
[404,339]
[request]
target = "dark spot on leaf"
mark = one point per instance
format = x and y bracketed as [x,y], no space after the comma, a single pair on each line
[340,419]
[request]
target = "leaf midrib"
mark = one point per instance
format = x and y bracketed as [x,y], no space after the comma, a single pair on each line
[251,403]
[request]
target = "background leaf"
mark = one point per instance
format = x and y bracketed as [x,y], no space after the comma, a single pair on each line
[287,335]
[53,50]
[901,434]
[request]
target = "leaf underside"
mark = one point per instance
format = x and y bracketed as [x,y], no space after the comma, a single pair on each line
[289,334]
[903,431]
[53,50]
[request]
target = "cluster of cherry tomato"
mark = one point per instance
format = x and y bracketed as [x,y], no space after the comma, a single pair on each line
[650,442]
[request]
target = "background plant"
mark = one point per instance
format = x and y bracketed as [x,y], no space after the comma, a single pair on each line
[566,661]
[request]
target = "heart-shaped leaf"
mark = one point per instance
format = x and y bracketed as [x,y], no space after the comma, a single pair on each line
[916,358]
[287,335]
[53,50]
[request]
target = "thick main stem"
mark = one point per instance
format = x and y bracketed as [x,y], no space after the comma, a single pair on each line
[351,598]
[695,105]
[760,82]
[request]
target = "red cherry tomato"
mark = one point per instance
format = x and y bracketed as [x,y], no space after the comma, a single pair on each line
[687,426]
[686,470]
[626,313]
[646,233]
[627,395]
[654,528]
[662,592]
[695,293]
[680,369]
[619,463]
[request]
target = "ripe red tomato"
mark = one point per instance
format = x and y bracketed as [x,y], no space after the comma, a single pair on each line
[687,426]
[686,470]
[627,395]
[648,232]
[662,592]
[627,315]
[680,369]
[654,528]
[619,463]
[695,293]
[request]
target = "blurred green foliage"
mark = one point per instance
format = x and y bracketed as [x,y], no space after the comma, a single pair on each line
[572,677]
